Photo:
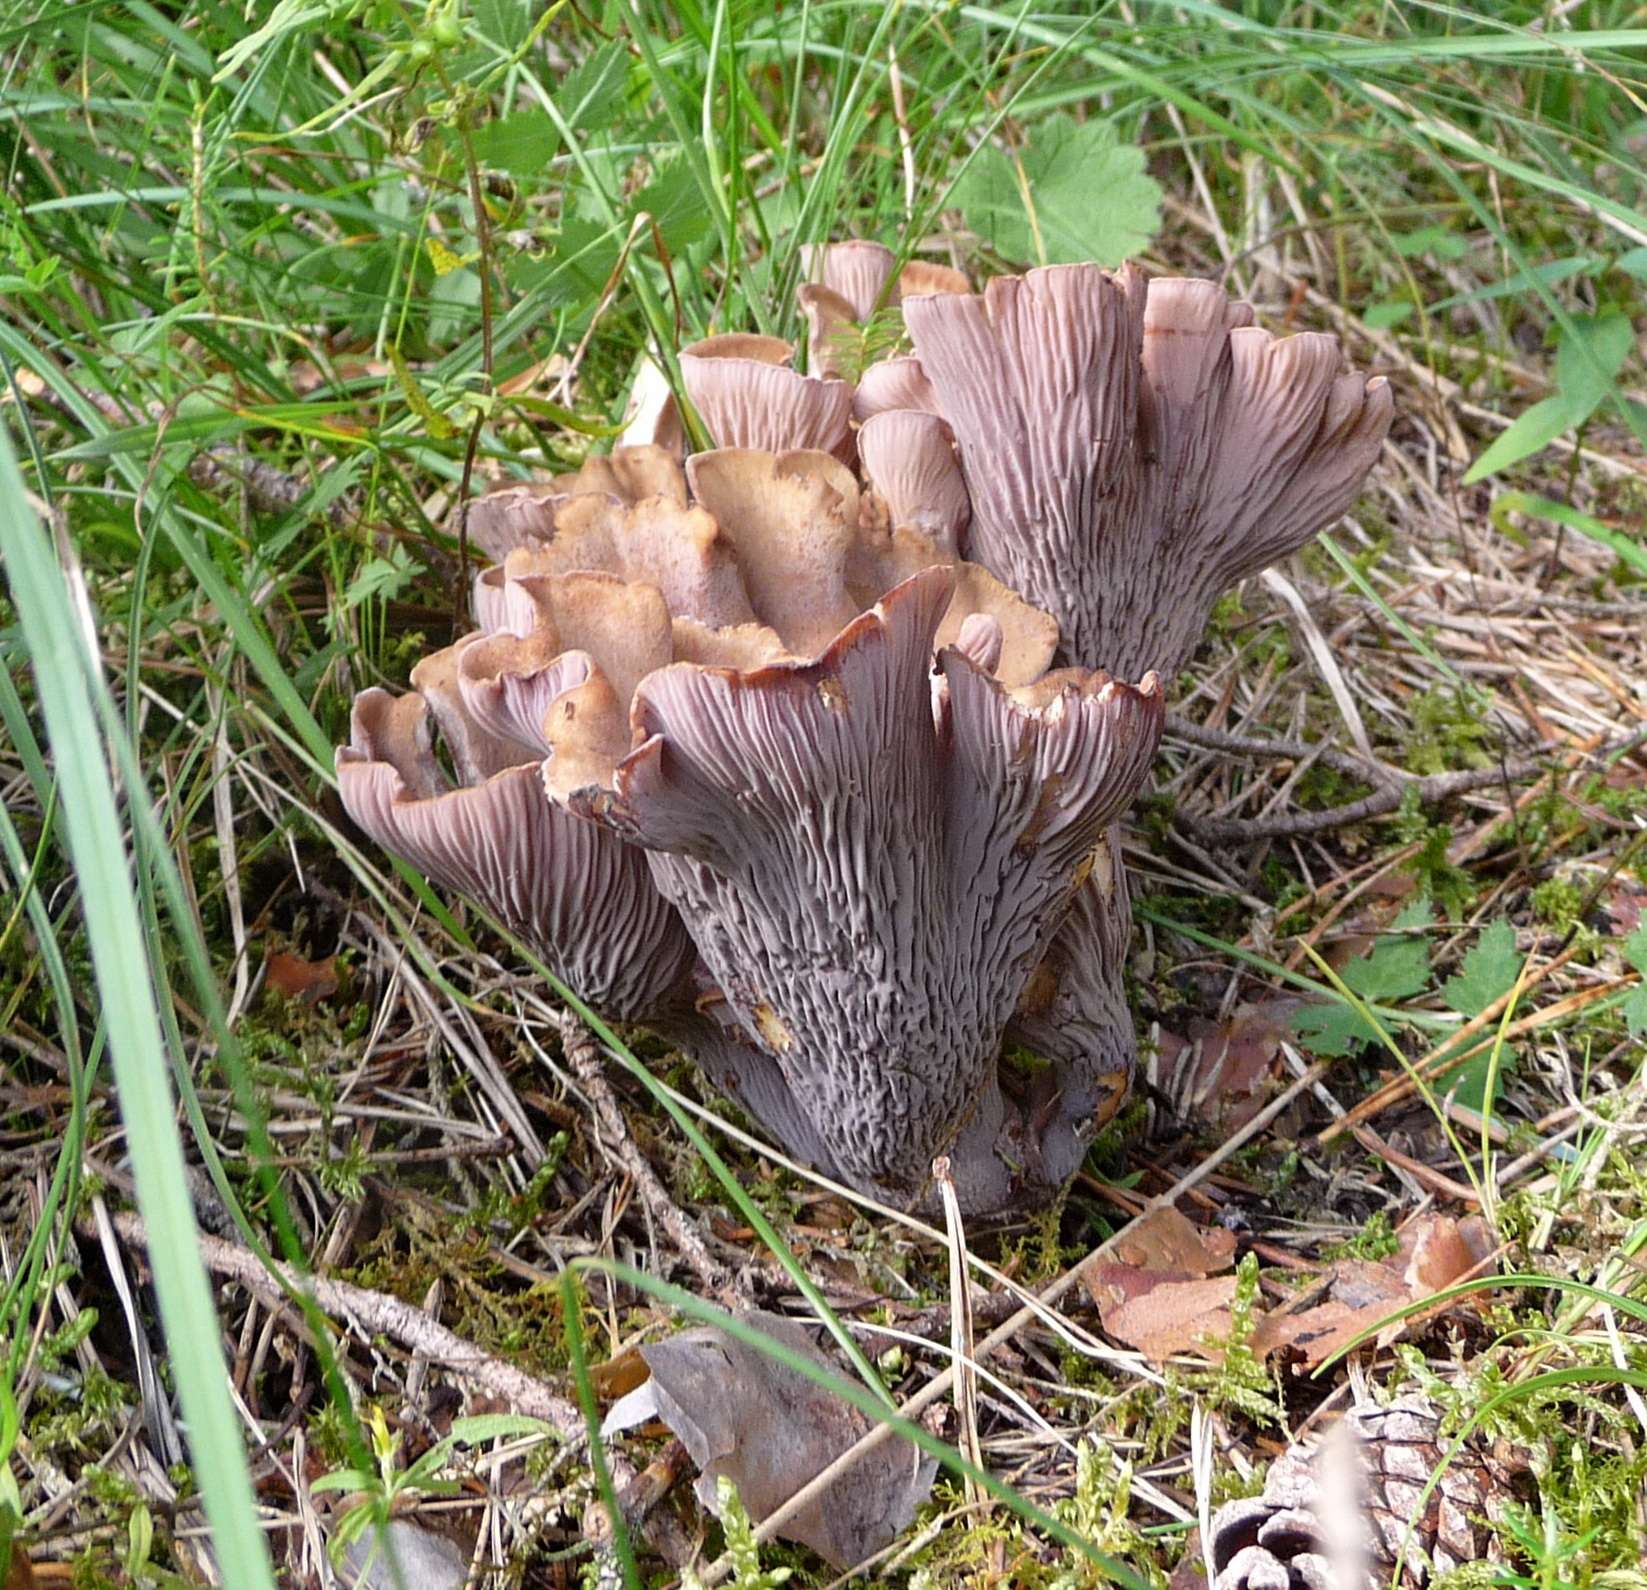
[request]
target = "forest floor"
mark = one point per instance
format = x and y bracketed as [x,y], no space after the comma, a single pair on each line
[1390,881]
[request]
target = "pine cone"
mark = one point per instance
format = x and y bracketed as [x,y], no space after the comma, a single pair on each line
[1310,1530]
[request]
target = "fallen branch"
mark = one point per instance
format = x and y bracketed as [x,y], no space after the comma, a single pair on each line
[1393,788]
[381,1314]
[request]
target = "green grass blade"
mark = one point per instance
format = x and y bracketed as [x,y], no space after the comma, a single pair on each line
[64,680]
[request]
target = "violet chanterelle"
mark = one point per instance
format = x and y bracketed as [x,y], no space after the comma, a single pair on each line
[808,752]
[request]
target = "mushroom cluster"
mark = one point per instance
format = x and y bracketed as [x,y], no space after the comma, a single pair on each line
[792,785]
[756,758]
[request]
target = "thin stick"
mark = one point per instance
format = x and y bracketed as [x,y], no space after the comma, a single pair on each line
[960,1332]
[1387,799]
[379,1312]
[584,1058]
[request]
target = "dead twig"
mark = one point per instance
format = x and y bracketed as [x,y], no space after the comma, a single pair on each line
[380,1313]
[582,1055]
[1394,788]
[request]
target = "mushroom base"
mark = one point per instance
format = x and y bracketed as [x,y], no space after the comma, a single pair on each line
[1064,1071]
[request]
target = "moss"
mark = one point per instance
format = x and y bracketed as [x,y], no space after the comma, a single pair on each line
[1375,1240]
[1450,729]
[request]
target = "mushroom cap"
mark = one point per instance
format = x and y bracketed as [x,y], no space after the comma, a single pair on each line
[846,283]
[889,384]
[748,396]
[583,898]
[909,458]
[522,514]
[1132,449]
[856,271]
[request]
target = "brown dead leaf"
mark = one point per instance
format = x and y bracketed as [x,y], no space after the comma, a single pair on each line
[1435,1252]
[292,977]
[618,1376]
[535,377]
[1156,1295]
[1216,1072]
[1360,1293]
[1172,1317]
[1441,1251]
[307,377]
[769,1429]
[1164,1240]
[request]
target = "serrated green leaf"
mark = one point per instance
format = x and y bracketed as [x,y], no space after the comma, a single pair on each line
[521,144]
[589,92]
[1395,968]
[1330,1030]
[673,199]
[1635,949]
[1490,969]
[1088,196]
[505,22]
[384,577]
[1635,1012]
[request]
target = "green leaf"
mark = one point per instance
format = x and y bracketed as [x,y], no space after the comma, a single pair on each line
[482,1427]
[343,1480]
[1633,263]
[1489,971]
[589,92]
[507,23]
[1589,356]
[1621,543]
[1635,1007]
[290,16]
[1545,275]
[521,144]
[1468,1084]
[1436,240]
[1330,1030]
[1635,949]
[1531,432]
[1089,197]
[673,199]
[1394,968]
[1380,317]
[382,576]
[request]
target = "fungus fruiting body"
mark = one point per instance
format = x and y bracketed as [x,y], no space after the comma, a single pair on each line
[791,784]
[1133,448]
[776,760]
